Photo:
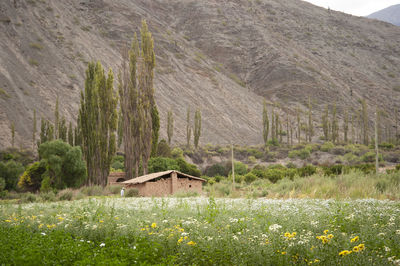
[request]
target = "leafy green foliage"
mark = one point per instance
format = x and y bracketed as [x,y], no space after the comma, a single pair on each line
[32,177]
[216,169]
[64,164]
[10,172]
[159,164]
[163,149]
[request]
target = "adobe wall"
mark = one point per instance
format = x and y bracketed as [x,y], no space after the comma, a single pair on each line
[159,188]
[113,177]
[186,185]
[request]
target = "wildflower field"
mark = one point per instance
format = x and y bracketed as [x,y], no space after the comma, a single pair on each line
[201,231]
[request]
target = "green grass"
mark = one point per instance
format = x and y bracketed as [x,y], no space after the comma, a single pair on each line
[3,93]
[36,46]
[200,231]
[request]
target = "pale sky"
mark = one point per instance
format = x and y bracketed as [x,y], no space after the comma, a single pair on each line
[355,7]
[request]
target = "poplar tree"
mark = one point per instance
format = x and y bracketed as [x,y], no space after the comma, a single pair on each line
[188,128]
[155,118]
[137,101]
[265,123]
[325,123]
[62,129]
[287,128]
[34,130]
[98,119]
[56,120]
[273,131]
[70,135]
[364,121]
[170,126]
[197,127]
[298,126]
[12,134]
[335,126]
[352,129]
[310,125]
[346,126]
[120,130]
[277,133]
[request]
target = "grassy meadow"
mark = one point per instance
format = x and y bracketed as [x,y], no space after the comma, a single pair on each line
[201,231]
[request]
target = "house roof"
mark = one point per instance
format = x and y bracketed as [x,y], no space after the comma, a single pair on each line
[145,178]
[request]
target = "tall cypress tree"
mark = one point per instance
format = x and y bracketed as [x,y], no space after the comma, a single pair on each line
[364,121]
[137,101]
[62,129]
[188,128]
[155,118]
[273,131]
[345,126]
[325,123]
[298,126]
[34,130]
[70,135]
[98,119]
[335,128]
[265,123]
[120,131]
[170,126]
[310,124]
[56,120]
[197,127]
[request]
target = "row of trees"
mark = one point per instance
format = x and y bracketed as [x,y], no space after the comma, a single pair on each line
[354,127]
[196,127]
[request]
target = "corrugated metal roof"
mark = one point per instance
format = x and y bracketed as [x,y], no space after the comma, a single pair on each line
[145,178]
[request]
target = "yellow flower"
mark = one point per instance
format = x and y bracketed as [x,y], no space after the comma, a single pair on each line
[40,225]
[191,243]
[287,234]
[180,240]
[7,221]
[356,249]
[101,221]
[185,237]
[266,242]
[344,253]
[326,231]
[361,247]
[316,260]
[283,252]
[116,218]
[354,239]
[330,236]
[294,234]
[153,225]
[143,229]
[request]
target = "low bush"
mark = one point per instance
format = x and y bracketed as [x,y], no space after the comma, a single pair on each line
[327,146]
[250,177]
[302,154]
[307,170]
[48,196]
[65,194]
[131,192]
[369,157]
[216,169]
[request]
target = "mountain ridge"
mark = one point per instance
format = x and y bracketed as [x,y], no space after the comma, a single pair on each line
[390,14]
[224,58]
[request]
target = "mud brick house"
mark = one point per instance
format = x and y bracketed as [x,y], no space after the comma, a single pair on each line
[116,178]
[165,183]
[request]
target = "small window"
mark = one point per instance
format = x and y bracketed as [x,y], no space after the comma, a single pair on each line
[190,185]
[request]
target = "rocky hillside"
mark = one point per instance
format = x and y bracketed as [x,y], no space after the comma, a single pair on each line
[223,57]
[390,15]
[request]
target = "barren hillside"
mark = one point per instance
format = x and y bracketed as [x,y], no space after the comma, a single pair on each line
[222,57]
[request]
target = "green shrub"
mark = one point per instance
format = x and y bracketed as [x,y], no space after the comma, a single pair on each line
[306,170]
[177,153]
[385,145]
[24,157]
[365,168]
[45,185]
[64,164]
[131,192]
[392,157]
[159,164]
[333,170]
[31,179]
[291,165]
[117,162]
[369,157]
[327,146]
[338,150]
[302,154]
[216,169]
[10,172]
[398,167]
[92,191]
[240,168]
[163,149]
[65,194]
[187,168]
[250,177]
[48,196]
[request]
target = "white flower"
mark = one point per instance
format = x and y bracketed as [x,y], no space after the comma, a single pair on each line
[102,245]
[397,232]
[387,249]
[274,227]
[43,234]
[235,237]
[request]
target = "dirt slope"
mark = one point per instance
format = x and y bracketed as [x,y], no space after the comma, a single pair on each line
[223,57]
